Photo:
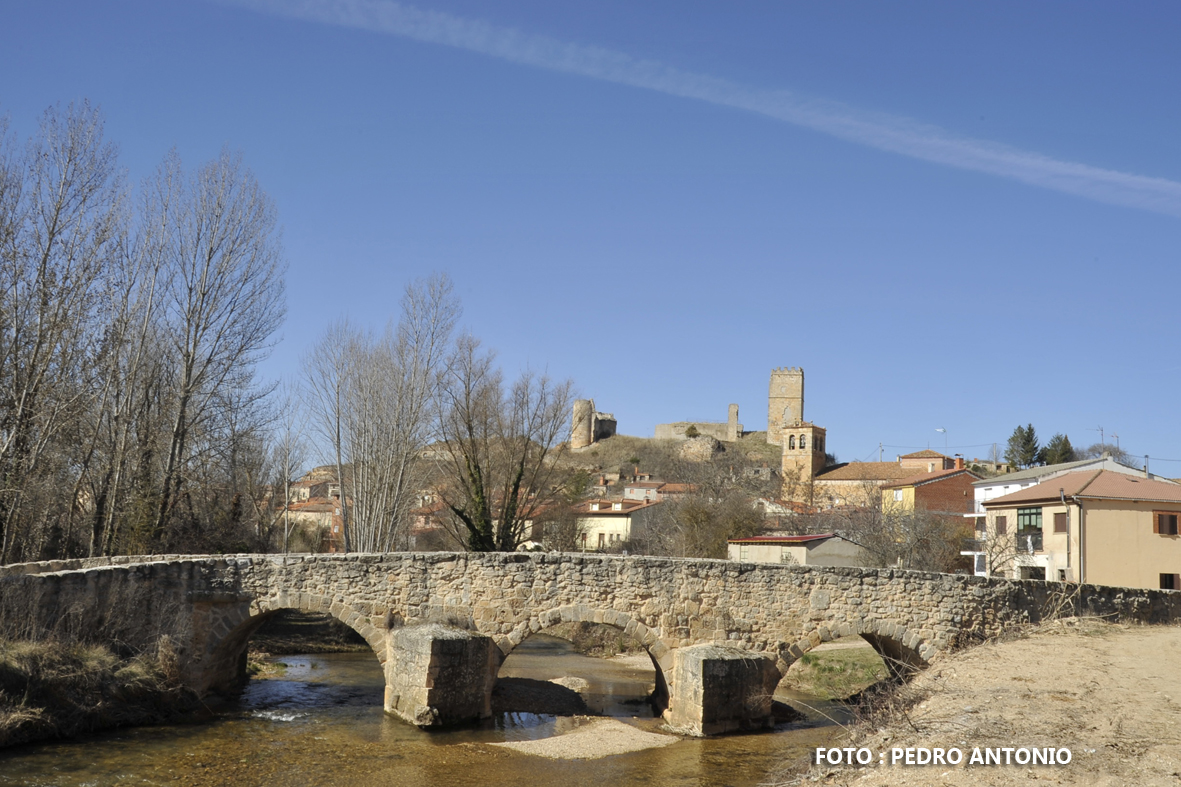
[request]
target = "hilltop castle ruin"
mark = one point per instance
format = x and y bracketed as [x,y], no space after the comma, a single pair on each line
[785,407]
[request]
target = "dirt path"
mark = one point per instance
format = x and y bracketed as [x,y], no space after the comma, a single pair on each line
[1111,694]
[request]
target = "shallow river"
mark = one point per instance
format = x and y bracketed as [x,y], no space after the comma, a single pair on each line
[323,724]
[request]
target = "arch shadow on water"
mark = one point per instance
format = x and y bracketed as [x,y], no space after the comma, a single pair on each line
[227,662]
[545,674]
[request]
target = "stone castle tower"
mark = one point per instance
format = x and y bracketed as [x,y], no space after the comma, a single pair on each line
[588,426]
[582,424]
[785,403]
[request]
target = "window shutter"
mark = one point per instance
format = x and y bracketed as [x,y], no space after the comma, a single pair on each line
[1060,523]
[1164,523]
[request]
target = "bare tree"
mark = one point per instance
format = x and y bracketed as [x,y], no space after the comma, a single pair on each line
[129,335]
[374,399]
[326,376]
[289,451]
[559,527]
[501,446]
[60,210]
[225,299]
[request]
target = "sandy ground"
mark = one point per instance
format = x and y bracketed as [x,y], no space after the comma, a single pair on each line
[592,739]
[1111,694]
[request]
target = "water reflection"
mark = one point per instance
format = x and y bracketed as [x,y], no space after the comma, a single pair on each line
[323,724]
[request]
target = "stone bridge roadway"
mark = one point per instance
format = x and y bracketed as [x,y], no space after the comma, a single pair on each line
[720,633]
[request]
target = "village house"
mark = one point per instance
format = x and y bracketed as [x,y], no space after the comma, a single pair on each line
[826,549]
[610,524]
[656,491]
[943,492]
[927,461]
[1098,526]
[857,484]
[991,488]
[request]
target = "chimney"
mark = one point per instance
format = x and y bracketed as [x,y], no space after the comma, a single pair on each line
[959,463]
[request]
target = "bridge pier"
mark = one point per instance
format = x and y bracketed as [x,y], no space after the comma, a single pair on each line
[438,676]
[718,689]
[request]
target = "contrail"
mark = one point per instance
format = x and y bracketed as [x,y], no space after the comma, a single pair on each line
[882,131]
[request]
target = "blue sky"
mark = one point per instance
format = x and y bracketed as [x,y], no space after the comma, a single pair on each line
[959,216]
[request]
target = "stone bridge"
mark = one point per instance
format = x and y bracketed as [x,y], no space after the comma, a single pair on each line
[720,634]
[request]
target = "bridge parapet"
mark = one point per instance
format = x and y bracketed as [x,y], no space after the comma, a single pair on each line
[210,605]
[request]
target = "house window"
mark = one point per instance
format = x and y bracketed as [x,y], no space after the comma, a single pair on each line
[803,442]
[1060,525]
[743,552]
[1002,525]
[898,495]
[1170,582]
[601,539]
[791,441]
[1029,519]
[1061,575]
[1164,522]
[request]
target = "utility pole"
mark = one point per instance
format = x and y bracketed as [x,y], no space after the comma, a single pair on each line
[879,452]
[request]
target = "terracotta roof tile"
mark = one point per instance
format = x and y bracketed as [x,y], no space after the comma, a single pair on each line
[926,453]
[1093,484]
[783,539]
[926,478]
[866,471]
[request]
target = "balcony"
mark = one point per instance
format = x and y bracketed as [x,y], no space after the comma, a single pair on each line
[971,545]
[1029,541]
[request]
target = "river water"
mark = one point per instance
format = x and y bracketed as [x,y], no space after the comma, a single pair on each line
[323,724]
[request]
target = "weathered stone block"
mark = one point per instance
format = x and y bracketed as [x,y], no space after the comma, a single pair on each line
[719,689]
[438,676]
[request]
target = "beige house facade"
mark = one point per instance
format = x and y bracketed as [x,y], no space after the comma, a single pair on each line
[826,549]
[1099,527]
[607,525]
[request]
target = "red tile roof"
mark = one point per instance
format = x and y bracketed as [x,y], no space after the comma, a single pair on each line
[926,453]
[1093,484]
[783,539]
[866,471]
[607,506]
[927,478]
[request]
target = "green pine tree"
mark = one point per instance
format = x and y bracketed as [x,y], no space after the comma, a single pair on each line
[1058,450]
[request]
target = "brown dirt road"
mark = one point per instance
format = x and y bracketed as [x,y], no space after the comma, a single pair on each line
[1111,694]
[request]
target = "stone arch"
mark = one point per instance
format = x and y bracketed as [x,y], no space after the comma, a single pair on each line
[224,666]
[660,654]
[903,651]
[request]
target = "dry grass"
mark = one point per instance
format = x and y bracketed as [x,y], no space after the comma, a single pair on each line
[836,674]
[1106,691]
[53,689]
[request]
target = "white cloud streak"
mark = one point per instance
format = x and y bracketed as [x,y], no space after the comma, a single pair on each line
[884,132]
